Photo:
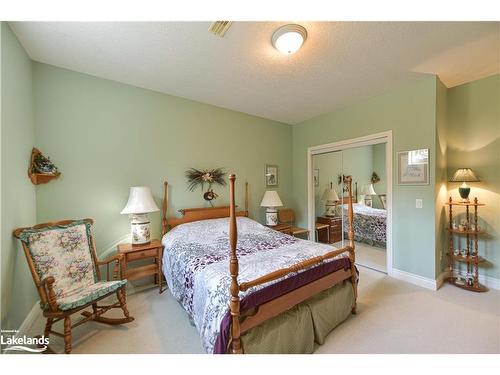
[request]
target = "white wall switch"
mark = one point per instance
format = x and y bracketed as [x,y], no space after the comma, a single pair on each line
[418,203]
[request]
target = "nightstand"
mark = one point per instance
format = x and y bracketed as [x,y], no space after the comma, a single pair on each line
[133,253]
[335,229]
[283,228]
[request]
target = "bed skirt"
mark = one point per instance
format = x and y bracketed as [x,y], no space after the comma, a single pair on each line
[298,329]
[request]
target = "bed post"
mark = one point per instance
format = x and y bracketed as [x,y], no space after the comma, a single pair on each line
[234,305]
[350,236]
[164,222]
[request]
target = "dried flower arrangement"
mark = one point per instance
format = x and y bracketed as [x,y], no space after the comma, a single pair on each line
[196,177]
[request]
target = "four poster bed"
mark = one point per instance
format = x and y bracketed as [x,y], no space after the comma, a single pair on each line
[281,295]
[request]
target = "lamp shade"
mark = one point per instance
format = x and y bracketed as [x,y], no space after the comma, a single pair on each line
[271,199]
[140,201]
[464,175]
[368,190]
[330,195]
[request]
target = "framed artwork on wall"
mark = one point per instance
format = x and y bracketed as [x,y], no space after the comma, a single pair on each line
[271,175]
[413,167]
[316,177]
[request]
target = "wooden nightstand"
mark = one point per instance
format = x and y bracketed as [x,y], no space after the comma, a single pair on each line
[132,253]
[335,228]
[283,228]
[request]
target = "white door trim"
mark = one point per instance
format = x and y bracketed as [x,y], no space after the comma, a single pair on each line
[373,139]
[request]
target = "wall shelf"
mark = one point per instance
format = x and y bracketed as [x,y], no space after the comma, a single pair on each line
[36,177]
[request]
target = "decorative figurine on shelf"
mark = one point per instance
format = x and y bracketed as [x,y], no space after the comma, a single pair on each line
[41,169]
[42,164]
[210,177]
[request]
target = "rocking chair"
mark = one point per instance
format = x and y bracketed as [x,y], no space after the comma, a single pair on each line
[63,262]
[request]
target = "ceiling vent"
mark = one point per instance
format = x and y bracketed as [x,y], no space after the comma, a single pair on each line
[220,28]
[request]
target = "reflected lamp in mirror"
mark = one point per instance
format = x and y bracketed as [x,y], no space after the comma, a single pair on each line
[331,199]
[271,200]
[464,175]
[140,204]
[366,194]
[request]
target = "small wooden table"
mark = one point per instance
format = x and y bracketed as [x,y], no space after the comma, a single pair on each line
[283,228]
[132,253]
[334,233]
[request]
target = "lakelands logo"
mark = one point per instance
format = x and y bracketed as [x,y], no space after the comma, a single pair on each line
[11,342]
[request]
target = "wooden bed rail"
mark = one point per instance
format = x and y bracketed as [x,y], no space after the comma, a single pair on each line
[295,268]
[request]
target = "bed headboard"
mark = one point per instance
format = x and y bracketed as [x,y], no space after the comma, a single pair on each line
[195,214]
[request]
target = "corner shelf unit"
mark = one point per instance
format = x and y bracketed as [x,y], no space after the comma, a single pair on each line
[472,259]
[39,178]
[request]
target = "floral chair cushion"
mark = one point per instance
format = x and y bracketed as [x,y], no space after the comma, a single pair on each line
[90,293]
[64,253]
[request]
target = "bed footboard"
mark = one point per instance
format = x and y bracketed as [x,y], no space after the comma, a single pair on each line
[274,307]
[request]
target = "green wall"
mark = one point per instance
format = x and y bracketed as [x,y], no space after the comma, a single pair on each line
[473,135]
[106,136]
[17,191]
[410,111]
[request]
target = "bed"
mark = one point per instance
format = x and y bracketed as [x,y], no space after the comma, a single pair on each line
[370,224]
[281,294]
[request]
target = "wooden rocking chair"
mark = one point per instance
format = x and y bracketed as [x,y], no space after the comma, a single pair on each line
[63,262]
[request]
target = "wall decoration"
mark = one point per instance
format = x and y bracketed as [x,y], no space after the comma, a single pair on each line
[316,177]
[41,169]
[271,175]
[196,177]
[413,167]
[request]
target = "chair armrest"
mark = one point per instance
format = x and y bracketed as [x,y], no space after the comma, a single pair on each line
[118,259]
[46,284]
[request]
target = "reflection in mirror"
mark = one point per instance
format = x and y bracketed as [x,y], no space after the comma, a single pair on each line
[328,188]
[367,167]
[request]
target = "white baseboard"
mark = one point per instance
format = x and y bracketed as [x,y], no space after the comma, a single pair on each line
[424,282]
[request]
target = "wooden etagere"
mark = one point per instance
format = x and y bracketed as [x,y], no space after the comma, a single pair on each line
[471,258]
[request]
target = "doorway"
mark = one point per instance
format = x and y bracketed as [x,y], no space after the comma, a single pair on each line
[368,160]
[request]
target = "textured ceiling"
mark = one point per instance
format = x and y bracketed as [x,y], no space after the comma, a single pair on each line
[339,63]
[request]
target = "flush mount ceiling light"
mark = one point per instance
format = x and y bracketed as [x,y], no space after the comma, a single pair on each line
[289,38]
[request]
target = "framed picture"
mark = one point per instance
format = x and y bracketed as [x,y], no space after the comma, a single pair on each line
[316,177]
[271,175]
[413,167]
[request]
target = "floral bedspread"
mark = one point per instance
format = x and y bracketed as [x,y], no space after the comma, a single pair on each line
[196,265]
[369,224]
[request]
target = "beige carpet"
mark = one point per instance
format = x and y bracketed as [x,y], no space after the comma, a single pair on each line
[393,317]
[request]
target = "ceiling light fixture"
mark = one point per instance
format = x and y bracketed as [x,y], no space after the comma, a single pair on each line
[289,38]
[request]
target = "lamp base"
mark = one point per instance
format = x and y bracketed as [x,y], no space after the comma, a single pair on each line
[464,193]
[271,217]
[140,229]
[330,209]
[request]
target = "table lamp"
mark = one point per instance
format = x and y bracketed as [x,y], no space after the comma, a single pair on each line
[367,190]
[140,203]
[464,175]
[331,198]
[271,200]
